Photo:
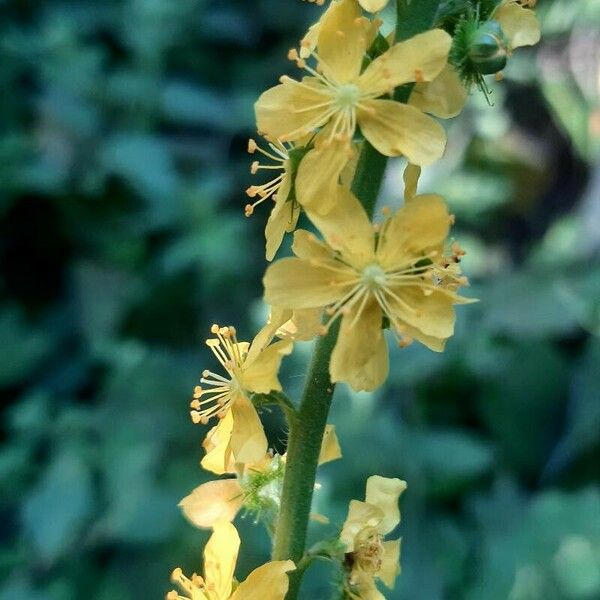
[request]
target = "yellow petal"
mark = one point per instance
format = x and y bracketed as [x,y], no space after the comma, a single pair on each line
[308,247]
[260,375]
[373,5]
[213,501]
[395,129]
[365,586]
[360,356]
[420,58]
[295,283]
[318,176]
[218,457]
[384,493]
[330,446]
[303,325]
[283,218]
[443,97]
[347,228]
[417,227]
[220,556]
[520,25]
[286,111]
[390,565]
[342,41]
[411,181]
[360,515]
[433,343]
[268,582]
[248,440]
[433,315]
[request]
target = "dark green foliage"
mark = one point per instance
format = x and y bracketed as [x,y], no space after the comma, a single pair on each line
[122,239]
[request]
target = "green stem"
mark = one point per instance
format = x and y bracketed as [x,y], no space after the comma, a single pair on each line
[306,431]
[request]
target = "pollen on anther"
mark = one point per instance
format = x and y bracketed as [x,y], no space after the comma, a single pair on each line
[214,328]
[195,415]
[197,391]
[252,146]
[248,210]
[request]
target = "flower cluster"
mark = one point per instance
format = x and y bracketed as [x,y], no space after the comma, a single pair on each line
[354,279]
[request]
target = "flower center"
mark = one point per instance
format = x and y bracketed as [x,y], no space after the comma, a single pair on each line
[347,95]
[373,277]
[369,551]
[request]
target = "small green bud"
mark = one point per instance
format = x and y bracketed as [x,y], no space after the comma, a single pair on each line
[488,48]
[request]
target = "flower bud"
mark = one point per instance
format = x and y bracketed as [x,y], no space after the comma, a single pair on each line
[488,48]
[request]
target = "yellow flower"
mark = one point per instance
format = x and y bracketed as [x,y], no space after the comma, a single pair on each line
[337,98]
[370,557]
[249,368]
[286,211]
[361,275]
[256,486]
[268,582]
[444,97]
[369,5]
[519,23]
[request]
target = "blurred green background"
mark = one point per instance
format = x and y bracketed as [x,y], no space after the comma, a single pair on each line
[122,170]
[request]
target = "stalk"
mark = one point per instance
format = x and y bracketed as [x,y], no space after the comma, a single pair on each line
[307,428]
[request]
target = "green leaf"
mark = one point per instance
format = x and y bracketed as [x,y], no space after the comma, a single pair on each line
[56,509]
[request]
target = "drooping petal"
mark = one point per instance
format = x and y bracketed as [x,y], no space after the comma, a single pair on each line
[283,218]
[411,181]
[218,458]
[330,446]
[360,357]
[443,97]
[318,176]
[395,129]
[360,515]
[520,25]
[260,375]
[373,5]
[431,314]
[220,556]
[419,225]
[347,228]
[290,110]
[213,501]
[248,440]
[342,41]
[390,563]
[420,58]
[384,493]
[295,283]
[268,582]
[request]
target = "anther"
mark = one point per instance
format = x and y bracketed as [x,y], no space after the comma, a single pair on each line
[248,210]
[214,328]
[195,404]
[252,146]
[196,418]
[499,76]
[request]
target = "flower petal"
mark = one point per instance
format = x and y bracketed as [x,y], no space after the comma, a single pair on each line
[411,176]
[220,556]
[308,247]
[290,110]
[330,446]
[248,440]
[520,25]
[360,515]
[342,41]
[260,375]
[443,97]
[433,315]
[303,325]
[360,356]
[395,129]
[319,174]
[283,218]
[390,564]
[418,226]
[433,343]
[218,458]
[295,283]
[347,228]
[420,58]
[213,501]
[268,582]
[384,492]
[373,5]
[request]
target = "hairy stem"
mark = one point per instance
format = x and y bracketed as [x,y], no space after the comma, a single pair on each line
[306,431]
